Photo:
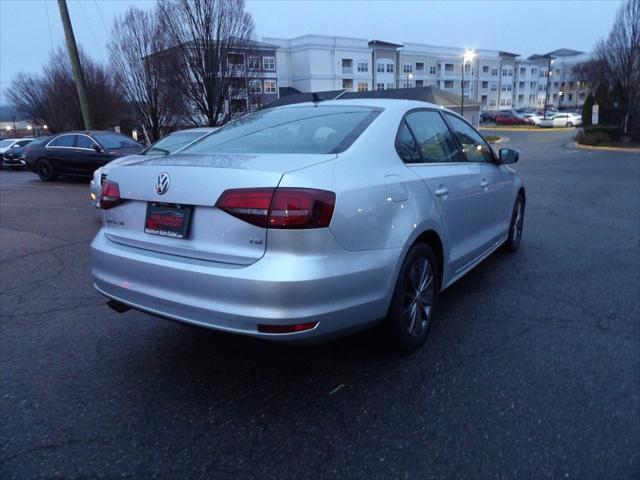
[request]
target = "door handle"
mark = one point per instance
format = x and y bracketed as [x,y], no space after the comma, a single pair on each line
[441,191]
[484,184]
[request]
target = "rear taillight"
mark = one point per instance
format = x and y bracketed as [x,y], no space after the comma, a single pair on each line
[280,207]
[110,196]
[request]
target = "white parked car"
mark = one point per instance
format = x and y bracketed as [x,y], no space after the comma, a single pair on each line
[7,143]
[536,119]
[562,120]
[308,221]
[165,146]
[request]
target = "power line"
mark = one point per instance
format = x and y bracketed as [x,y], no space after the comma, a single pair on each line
[46,6]
[101,17]
[86,19]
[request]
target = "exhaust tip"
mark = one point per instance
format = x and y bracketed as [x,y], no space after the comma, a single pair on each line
[118,306]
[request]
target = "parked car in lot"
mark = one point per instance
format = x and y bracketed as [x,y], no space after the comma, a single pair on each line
[534,118]
[487,117]
[165,146]
[16,156]
[10,143]
[78,153]
[565,119]
[511,118]
[308,221]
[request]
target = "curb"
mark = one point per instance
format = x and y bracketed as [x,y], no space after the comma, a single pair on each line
[502,140]
[606,149]
[538,129]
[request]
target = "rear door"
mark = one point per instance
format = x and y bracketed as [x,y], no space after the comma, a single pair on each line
[88,159]
[451,181]
[494,183]
[60,152]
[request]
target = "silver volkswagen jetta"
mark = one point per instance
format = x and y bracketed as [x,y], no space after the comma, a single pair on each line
[308,221]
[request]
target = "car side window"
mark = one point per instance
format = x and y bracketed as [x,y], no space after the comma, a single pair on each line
[435,142]
[474,147]
[63,141]
[406,145]
[84,142]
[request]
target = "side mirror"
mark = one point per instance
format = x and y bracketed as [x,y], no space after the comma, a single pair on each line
[508,155]
[97,148]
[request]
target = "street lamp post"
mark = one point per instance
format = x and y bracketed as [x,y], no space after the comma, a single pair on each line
[546,94]
[468,56]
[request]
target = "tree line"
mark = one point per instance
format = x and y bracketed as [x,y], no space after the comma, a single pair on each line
[168,68]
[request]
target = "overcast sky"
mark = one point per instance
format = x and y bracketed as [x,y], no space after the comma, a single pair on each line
[29,29]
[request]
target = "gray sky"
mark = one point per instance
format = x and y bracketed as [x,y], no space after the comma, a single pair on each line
[29,28]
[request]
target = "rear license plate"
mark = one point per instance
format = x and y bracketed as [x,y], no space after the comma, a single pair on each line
[168,220]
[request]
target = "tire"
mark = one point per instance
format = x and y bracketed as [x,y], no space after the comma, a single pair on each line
[569,124]
[410,316]
[45,170]
[515,227]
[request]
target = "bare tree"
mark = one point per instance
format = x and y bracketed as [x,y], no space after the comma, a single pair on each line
[143,77]
[214,39]
[51,98]
[617,60]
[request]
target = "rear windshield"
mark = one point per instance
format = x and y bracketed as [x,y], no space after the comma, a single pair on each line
[173,142]
[115,140]
[308,129]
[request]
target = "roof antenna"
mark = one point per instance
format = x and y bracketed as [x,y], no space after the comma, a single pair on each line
[315,98]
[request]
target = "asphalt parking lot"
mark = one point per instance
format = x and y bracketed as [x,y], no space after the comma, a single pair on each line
[532,369]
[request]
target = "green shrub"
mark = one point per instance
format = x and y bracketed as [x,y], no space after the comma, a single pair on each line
[613,132]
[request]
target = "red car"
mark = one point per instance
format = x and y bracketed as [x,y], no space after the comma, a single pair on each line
[510,118]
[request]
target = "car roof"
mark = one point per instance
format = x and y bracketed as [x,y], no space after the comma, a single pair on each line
[386,103]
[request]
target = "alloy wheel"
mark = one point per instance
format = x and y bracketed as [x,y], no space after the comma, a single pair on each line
[419,297]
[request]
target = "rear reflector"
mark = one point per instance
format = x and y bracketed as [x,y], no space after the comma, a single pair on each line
[298,327]
[110,196]
[280,208]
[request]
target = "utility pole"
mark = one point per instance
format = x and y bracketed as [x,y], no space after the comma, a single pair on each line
[76,67]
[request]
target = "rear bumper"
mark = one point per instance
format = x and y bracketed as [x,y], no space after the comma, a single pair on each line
[342,291]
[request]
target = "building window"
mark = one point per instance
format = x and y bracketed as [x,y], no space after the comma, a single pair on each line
[543,73]
[347,65]
[407,68]
[504,72]
[255,86]
[448,84]
[379,86]
[520,99]
[390,86]
[534,71]
[407,84]
[269,63]
[492,103]
[380,67]
[532,85]
[485,69]
[541,87]
[236,59]
[508,87]
[485,85]
[419,83]
[521,85]
[494,87]
[237,106]
[270,86]
[494,72]
[389,67]
[419,67]
[448,67]
[363,67]
[467,67]
[363,87]
[510,72]
[523,71]
[432,70]
[254,63]
[347,83]
[570,96]
[555,84]
[483,100]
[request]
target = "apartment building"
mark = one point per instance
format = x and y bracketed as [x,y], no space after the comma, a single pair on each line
[496,79]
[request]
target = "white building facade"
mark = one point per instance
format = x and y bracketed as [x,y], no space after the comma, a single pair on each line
[498,80]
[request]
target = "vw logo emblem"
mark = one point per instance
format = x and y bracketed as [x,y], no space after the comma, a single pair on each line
[162,183]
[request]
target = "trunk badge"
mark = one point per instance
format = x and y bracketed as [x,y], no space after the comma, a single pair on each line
[162,183]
